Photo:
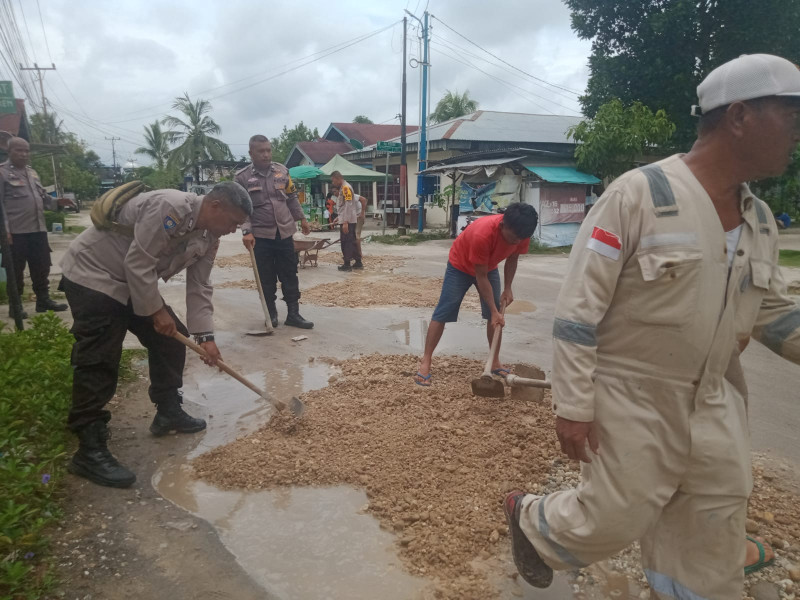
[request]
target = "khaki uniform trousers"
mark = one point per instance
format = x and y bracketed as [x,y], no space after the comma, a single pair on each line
[673,472]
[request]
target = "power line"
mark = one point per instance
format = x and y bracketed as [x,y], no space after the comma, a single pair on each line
[324,53]
[41,21]
[462,49]
[505,61]
[498,79]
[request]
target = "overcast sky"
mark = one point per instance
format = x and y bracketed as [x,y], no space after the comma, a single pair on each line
[120,64]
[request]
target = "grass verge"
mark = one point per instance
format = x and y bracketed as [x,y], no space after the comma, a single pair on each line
[537,248]
[412,238]
[789,258]
[35,389]
[127,370]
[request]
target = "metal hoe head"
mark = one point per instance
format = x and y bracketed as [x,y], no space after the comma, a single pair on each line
[488,387]
[295,405]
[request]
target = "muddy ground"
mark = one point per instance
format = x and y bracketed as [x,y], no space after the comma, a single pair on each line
[173,536]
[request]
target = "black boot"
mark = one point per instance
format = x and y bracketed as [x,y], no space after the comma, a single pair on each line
[358,264]
[273,313]
[294,318]
[170,416]
[11,313]
[45,303]
[346,266]
[94,461]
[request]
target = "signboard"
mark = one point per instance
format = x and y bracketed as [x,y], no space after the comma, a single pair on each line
[8,106]
[476,199]
[392,147]
[562,204]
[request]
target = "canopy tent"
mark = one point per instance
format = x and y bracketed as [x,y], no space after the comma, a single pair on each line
[305,172]
[350,171]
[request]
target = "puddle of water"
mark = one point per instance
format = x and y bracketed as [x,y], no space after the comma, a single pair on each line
[297,543]
[411,333]
[301,542]
[520,306]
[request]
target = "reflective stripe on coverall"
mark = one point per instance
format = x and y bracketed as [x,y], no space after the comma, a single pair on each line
[646,323]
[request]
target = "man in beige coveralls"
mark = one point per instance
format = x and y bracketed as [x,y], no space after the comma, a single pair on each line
[111,282]
[675,264]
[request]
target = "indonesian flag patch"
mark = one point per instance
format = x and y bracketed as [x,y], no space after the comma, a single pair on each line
[606,243]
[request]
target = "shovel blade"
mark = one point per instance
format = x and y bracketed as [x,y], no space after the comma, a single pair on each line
[488,388]
[296,407]
[258,333]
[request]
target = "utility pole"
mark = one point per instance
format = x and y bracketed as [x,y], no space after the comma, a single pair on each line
[39,75]
[114,153]
[422,151]
[401,222]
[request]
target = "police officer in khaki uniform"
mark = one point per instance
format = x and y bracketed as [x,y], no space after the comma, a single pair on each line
[23,199]
[269,231]
[671,270]
[349,206]
[111,282]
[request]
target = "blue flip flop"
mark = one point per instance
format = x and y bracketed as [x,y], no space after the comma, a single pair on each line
[501,372]
[425,378]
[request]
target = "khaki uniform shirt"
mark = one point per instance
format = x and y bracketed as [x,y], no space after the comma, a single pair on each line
[275,204]
[348,204]
[164,243]
[23,197]
[648,289]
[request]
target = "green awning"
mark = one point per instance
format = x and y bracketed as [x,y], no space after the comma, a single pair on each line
[305,172]
[563,175]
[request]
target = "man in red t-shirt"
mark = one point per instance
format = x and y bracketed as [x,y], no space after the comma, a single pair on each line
[473,260]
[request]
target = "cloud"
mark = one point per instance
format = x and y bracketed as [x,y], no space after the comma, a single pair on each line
[125,62]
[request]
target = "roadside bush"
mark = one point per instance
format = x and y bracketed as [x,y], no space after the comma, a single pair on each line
[35,389]
[3,293]
[51,217]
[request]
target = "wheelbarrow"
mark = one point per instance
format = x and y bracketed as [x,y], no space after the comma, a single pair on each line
[310,247]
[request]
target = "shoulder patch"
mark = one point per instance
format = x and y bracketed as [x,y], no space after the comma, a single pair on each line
[605,243]
[171,222]
[347,193]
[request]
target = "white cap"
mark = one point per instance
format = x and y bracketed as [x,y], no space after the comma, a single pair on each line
[747,77]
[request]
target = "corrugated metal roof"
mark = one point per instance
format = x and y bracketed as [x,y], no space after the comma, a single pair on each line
[493,126]
[563,175]
[472,164]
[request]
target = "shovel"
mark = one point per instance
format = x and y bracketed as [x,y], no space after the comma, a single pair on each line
[296,406]
[267,319]
[486,385]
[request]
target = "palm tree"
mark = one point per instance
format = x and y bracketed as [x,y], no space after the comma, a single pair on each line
[194,136]
[157,147]
[453,105]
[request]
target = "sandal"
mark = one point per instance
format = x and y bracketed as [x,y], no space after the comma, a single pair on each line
[761,563]
[501,372]
[426,379]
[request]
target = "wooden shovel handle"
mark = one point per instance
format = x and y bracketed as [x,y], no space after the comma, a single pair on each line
[487,369]
[199,349]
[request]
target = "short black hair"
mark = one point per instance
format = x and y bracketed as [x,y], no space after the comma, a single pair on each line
[521,219]
[258,139]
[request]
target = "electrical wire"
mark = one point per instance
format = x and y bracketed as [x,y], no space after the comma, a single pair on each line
[320,54]
[505,61]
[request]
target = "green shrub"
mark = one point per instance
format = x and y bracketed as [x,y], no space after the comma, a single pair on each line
[35,390]
[3,293]
[412,238]
[51,217]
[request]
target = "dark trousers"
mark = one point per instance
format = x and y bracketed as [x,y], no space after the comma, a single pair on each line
[350,249]
[277,260]
[31,249]
[100,324]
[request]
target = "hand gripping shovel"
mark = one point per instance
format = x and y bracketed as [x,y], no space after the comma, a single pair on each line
[486,385]
[296,406]
[267,319]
